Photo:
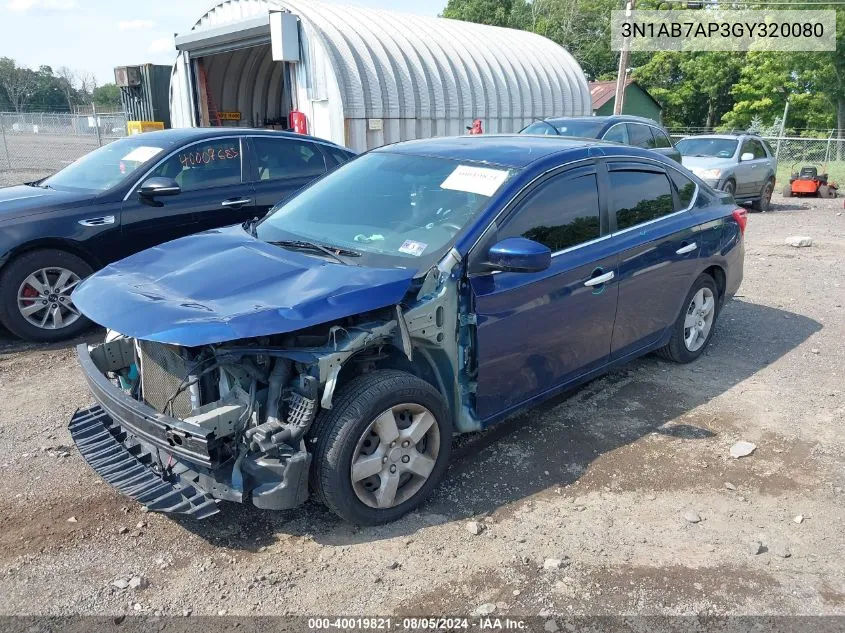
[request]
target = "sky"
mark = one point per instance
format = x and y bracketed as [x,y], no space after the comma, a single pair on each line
[97,35]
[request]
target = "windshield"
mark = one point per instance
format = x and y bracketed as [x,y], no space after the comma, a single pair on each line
[393,209]
[107,166]
[715,147]
[582,128]
[540,127]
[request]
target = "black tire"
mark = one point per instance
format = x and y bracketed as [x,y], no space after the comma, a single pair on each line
[14,274]
[787,191]
[335,434]
[824,192]
[763,203]
[730,186]
[676,349]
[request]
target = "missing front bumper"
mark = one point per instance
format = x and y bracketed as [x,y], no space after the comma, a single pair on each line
[128,467]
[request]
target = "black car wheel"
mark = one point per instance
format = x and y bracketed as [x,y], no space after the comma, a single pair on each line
[696,322]
[382,448]
[729,187]
[35,295]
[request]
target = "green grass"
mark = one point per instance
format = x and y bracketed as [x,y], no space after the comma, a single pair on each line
[835,170]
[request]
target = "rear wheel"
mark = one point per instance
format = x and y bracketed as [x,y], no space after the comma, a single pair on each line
[35,295]
[694,326]
[764,201]
[382,448]
[824,192]
[787,191]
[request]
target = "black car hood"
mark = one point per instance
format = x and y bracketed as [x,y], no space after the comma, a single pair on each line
[23,200]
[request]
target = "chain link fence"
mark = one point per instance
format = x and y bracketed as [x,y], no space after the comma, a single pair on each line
[794,152]
[36,144]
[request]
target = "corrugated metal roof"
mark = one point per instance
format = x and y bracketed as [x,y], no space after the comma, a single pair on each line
[400,66]
[603,91]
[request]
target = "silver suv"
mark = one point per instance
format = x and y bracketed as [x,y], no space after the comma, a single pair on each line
[740,164]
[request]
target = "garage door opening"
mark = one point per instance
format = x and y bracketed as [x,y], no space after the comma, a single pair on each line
[243,88]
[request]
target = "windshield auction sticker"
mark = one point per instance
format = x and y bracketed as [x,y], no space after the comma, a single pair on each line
[142,154]
[481,180]
[714,29]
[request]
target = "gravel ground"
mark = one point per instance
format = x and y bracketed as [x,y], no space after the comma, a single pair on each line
[621,498]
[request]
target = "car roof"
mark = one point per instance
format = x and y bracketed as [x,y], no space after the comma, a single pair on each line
[731,137]
[614,118]
[198,133]
[506,150]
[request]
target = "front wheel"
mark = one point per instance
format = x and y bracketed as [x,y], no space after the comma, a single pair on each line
[729,187]
[383,447]
[694,327]
[35,295]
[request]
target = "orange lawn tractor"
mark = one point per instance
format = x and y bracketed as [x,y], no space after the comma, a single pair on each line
[809,182]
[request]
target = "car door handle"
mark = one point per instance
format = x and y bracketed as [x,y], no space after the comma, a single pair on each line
[236,202]
[689,248]
[601,279]
[101,221]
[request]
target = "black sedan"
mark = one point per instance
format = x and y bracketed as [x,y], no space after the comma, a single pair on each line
[628,130]
[133,194]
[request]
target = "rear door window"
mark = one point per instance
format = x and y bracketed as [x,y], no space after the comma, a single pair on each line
[639,196]
[660,138]
[215,163]
[640,135]
[562,212]
[284,158]
[335,156]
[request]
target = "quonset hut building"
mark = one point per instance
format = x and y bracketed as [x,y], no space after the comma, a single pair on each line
[364,78]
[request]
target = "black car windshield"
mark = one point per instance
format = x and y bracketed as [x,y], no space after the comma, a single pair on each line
[714,147]
[109,165]
[393,209]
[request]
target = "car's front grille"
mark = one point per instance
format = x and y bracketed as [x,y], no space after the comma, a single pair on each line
[163,371]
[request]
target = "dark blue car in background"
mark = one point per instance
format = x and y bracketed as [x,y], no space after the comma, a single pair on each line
[424,289]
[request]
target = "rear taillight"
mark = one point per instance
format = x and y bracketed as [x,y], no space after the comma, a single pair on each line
[741,217]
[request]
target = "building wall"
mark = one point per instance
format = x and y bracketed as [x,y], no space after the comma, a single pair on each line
[370,77]
[637,103]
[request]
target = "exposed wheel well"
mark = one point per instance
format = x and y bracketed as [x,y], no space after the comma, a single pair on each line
[718,275]
[387,357]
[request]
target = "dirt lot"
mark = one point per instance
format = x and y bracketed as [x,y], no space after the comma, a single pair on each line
[607,481]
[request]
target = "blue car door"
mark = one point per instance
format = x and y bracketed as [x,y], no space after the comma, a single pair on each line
[656,238]
[536,332]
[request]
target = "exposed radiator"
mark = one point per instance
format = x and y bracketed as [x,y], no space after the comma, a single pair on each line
[163,370]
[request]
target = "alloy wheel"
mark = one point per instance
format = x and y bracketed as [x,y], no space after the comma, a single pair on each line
[699,319]
[44,298]
[395,455]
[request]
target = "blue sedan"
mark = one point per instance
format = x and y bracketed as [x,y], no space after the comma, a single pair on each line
[423,289]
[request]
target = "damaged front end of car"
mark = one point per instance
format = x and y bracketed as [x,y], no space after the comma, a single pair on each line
[180,427]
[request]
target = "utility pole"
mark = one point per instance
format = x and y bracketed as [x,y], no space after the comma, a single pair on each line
[624,56]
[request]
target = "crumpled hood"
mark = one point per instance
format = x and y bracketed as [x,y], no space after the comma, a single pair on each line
[224,284]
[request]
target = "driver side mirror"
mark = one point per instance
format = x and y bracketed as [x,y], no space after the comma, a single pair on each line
[519,255]
[746,156]
[158,186]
